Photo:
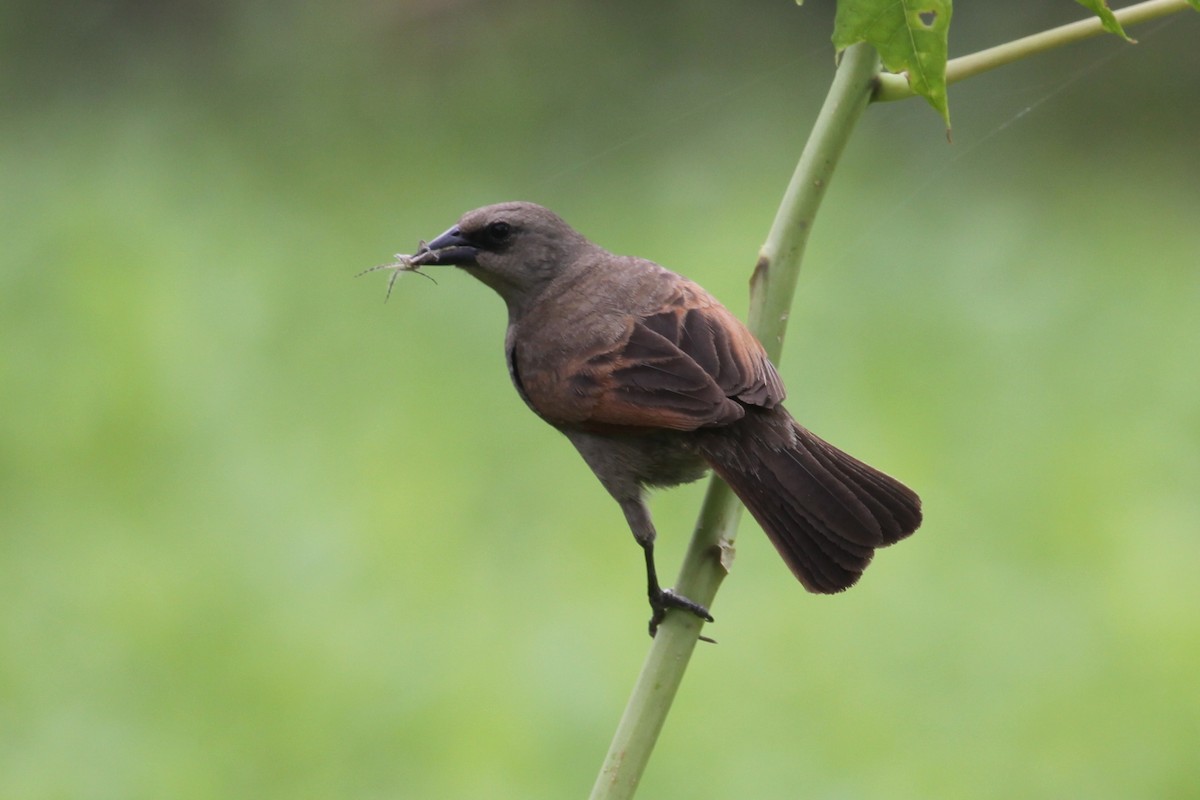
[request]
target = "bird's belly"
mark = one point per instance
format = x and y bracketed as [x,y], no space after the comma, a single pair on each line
[658,458]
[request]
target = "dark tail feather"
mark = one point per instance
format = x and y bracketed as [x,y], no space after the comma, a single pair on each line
[824,510]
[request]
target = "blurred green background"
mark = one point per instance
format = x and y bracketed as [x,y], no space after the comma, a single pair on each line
[262,535]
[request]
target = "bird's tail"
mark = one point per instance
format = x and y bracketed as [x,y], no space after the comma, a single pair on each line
[824,510]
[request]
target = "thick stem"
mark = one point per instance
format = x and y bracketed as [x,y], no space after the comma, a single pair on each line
[711,548]
[894,86]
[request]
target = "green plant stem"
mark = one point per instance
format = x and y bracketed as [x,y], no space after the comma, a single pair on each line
[707,559]
[894,86]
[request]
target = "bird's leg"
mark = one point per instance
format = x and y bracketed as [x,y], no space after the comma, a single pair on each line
[660,599]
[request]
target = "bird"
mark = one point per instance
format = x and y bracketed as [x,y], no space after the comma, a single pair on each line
[655,382]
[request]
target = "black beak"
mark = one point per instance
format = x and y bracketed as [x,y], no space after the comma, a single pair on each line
[451,249]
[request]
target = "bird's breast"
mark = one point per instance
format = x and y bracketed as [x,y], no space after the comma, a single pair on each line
[557,378]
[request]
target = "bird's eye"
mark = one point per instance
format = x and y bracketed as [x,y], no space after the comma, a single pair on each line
[498,231]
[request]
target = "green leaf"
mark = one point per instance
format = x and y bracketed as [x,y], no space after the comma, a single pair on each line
[1194,4]
[1101,9]
[910,36]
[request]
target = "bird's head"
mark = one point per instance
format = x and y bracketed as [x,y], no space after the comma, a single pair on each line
[515,248]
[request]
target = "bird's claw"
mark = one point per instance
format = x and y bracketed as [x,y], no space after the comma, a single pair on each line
[665,599]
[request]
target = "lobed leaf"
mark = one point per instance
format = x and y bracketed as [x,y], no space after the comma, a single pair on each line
[1107,19]
[910,35]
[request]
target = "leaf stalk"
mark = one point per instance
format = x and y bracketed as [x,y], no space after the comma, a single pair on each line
[894,86]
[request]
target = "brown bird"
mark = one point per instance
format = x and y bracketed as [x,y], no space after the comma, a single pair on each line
[654,381]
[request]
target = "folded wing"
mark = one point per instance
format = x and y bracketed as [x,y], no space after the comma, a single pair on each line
[687,365]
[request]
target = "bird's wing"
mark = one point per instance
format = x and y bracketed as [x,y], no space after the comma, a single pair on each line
[687,364]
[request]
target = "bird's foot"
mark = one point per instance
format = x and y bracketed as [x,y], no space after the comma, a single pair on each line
[665,599]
